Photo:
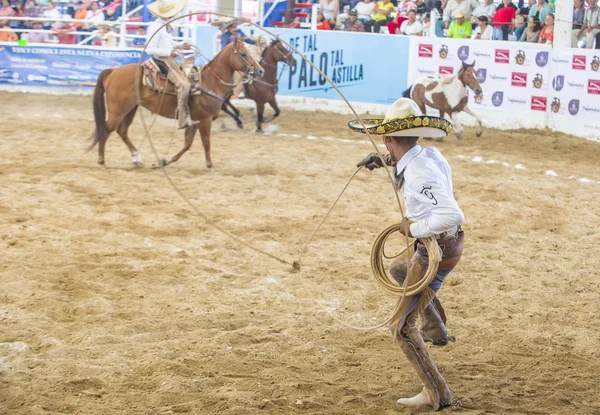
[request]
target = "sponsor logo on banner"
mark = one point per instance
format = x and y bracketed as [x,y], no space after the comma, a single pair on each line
[555,106]
[595,64]
[61,65]
[594,86]
[517,101]
[538,81]
[482,54]
[558,82]
[574,106]
[591,109]
[497,98]
[498,77]
[38,78]
[502,56]
[446,70]
[541,59]
[481,75]
[579,62]
[559,60]
[538,103]
[575,85]
[520,57]
[425,51]
[463,53]
[443,52]
[426,71]
[519,79]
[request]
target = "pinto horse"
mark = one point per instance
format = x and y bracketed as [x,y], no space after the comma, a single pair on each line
[120,88]
[448,94]
[263,91]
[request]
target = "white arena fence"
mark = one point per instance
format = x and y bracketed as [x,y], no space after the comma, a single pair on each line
[524,85]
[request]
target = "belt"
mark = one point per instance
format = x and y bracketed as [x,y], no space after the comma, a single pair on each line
[450,232]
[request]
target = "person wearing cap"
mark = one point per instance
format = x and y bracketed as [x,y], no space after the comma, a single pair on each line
[163,49]
[35,36]
[460,28]
[424,178]
[231,32]
[353,24]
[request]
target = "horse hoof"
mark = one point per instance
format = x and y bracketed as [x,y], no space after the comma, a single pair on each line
[258,130]
[459,136]
[209,165]
[478,133]
[240,125]
[138,164]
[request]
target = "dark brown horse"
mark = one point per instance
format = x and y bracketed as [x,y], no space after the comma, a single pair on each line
[119,85]
[263,90]
[448,94]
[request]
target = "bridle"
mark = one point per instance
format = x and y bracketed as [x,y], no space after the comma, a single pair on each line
[461,76]
[248,75]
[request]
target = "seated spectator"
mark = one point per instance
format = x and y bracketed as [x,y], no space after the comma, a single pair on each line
[106,35]
[411,27]
[503,20]
[353,24]
[403,7]
[532,33]
[62,30]
[450,8]
[364,9]
[114,11]
[140,40]
[488,8]
[525,9]
[32,11]
[547,33]
[37,37]
[6,11]
[540,10]
[460,28]
[381,16]
[330,10]
[591,25]
[347,4]
[427,25]
[19,12]
[578,18]
[483,30]
[7,34]
[51,12]
[95,17]
[322,23]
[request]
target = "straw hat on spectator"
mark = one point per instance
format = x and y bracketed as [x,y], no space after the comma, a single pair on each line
[458,14]
[105,27]
[165,9]
[404,119]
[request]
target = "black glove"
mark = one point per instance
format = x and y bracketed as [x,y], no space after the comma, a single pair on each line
[373,161]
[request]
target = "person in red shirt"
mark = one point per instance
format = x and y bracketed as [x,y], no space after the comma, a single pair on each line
[503,21]
[323,24]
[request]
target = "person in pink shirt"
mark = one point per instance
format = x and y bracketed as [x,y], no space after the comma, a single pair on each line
[6,11]
[37,37]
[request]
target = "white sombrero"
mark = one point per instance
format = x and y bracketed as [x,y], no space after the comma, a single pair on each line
[166,9]
[404,119]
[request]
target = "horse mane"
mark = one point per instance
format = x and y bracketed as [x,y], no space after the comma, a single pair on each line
[273,43]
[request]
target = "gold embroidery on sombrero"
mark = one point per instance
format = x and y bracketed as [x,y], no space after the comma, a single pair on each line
[377,126]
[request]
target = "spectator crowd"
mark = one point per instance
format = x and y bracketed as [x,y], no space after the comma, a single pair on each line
[517,20]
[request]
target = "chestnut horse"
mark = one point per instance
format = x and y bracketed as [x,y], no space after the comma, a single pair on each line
[264,90]
[120,87]
[448,94]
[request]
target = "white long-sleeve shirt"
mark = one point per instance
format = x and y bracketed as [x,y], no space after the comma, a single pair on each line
[428,192]
[163,43]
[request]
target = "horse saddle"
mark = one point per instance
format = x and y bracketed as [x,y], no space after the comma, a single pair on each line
[155,77]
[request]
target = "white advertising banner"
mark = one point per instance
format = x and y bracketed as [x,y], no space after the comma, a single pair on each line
[514,77]
[574,95]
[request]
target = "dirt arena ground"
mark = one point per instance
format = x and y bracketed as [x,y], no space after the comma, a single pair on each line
[115,298]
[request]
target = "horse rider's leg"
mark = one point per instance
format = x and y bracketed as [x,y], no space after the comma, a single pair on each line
[273,104]
[205,126]
[479,130]
[182,86]
[237,90]
[435,392]
[123,129]
[260,110]
[458,128]
[433,319]
[190,131]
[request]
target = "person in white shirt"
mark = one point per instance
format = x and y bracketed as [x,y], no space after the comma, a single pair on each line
[95,16]
[424,177]
[411,27]
[488,8]
[591,25]
[483,30]
[364,9]
[51,12]
[163,48]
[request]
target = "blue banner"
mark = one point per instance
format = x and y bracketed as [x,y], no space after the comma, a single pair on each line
[366,67]
[59,66]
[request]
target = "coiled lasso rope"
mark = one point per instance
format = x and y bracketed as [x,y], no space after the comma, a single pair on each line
[379,274]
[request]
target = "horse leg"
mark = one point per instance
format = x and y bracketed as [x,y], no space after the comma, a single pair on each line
[273,104]
[122,131]
[190,131]
[479,130]
[260,109]
[205,126]
[458,129]
[233,113]
[111,125]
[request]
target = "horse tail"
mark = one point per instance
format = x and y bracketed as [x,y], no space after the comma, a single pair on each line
[100,109]
[406,94]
